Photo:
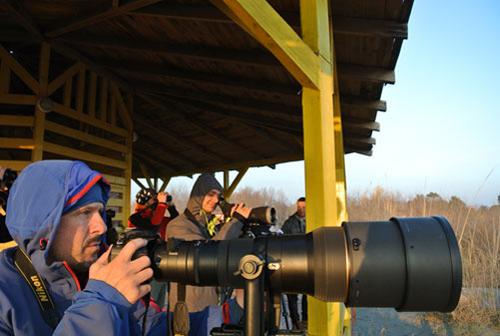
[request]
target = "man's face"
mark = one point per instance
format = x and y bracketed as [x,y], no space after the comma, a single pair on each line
[210,201]
[301,209]
[78,238]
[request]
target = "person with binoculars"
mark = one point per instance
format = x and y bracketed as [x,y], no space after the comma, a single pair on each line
[194,224]
[59,281]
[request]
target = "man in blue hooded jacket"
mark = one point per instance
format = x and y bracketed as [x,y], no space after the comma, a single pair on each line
[55,214]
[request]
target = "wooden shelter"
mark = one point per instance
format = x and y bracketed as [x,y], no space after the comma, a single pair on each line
[157,89]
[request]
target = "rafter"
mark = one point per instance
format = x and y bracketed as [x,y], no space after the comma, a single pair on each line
[197,77]
[98,16]
[247,57]
[195,123]
[342,25]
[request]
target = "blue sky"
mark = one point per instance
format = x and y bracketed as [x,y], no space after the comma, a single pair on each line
[441,131]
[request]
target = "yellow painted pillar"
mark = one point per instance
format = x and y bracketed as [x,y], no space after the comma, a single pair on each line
[323,152]
[38,134]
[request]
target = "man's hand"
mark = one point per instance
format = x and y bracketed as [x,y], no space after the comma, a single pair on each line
[162,197]
[241,209]
[125,275]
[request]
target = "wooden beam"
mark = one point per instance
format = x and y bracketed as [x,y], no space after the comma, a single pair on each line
[198,125]
[80,90]
[366,73]
[91,100]
[183,141]
[139,183]
[70,113]
[21,16]
[14,120]
[247,57]
[79,135]
[14,164]
[15,66]
[17,143]
[360,124]
[83,155]
[18,99]
[103,98]
[235,166]
[236,181]
[67,93]
[124,112]
[274,33]
[99,16]
[146,174]
[358,103]
[159,70]
[4,78]
[39,130]
[342,25]
[64,77]
[164,184]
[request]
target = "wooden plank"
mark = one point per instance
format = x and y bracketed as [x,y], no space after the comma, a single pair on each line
[139,183]
[43,69]
[118,188]
[18,99]
[236,181]
[269,28]
[165,181]
[367,73]
[112,109]
[342,25]
[14,120]
[82,155]
[124,112]
[114,179]
[14,164]
[210,53]
[92,94]
[79,135]
[115,202]
[64,77]
[19,70]
[265,86]
[80,90]
[17,143]
[39,129]
[70,113]
[67,94]
[98,16]
[103,98]
[4,78]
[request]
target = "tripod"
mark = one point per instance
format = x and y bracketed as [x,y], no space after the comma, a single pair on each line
[256,324]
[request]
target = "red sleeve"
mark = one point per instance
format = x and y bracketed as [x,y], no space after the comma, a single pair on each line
[158,214]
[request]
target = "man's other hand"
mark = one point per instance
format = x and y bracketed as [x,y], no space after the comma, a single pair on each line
[124,274]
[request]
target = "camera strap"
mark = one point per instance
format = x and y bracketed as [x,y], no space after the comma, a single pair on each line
[35,281]
[193,220]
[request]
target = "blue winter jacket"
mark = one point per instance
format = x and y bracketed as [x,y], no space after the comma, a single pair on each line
[34,210]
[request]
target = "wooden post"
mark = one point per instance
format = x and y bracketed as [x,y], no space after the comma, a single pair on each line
[39,130]
[128,171]
[4,77]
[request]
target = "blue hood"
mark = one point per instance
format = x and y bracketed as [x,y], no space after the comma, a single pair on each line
[41,193]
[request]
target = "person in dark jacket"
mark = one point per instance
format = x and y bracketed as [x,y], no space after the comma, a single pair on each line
[296,224]
[194,224]
[55,214]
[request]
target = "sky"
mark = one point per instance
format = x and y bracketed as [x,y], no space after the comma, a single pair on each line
[441,131]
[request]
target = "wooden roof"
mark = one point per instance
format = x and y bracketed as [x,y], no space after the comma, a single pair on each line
[209,97]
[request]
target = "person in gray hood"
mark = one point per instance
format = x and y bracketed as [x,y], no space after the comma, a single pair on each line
[194,224]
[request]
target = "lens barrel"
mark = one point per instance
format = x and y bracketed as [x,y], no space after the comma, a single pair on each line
[411,264]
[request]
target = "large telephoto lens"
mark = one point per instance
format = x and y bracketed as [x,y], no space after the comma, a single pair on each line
[411,264]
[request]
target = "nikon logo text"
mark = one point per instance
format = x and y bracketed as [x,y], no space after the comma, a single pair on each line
[40,291]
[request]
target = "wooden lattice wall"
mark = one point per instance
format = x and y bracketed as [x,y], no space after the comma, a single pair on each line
[70,113]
